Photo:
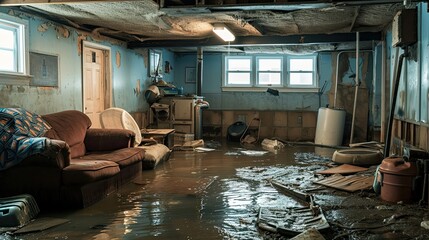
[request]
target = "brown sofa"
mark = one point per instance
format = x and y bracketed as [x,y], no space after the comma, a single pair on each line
[80,165]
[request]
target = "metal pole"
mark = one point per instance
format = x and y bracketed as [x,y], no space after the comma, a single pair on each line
[383,90]
[356,87]
[393,106]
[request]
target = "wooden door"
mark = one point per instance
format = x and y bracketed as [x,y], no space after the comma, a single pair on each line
[93,84]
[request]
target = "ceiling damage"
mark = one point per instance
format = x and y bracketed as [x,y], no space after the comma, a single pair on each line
[180,23]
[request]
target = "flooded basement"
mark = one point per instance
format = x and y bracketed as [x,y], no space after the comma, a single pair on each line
[218,194]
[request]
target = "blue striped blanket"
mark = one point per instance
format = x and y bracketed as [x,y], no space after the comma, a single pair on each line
[20,135]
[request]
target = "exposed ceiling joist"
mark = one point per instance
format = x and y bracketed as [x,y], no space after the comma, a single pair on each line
[260,41]
[189,23]
[32,2]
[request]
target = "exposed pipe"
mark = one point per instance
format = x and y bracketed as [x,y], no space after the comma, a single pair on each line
[393,105]
[356,88]
[199,71]
[383,90]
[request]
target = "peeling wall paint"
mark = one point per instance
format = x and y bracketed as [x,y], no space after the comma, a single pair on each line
[118,59]
[67,44]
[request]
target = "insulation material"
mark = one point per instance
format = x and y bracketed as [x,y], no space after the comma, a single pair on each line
[145,20]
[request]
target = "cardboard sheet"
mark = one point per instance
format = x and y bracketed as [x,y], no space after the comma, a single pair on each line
[348,183]
[343,169]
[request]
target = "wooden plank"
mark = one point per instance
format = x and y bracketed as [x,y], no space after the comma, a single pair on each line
[32,2]
[41,224]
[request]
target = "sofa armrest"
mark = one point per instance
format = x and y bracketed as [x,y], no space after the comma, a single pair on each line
[98,139]
[56,154]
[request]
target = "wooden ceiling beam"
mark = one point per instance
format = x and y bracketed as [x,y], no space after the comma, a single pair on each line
[259,40]
[33,2]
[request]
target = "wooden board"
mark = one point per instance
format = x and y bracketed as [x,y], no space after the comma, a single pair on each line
[157,131]
[185,185]
[347,183]
[343,169]
[41,224]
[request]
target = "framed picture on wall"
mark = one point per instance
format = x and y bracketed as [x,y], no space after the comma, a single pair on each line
[44,69]
[190,75]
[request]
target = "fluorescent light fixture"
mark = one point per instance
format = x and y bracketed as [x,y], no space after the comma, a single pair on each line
[223,32]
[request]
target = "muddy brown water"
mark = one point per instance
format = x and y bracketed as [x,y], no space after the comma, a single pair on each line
[217,194]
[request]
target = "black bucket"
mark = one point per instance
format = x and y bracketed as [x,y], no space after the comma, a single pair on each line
[235,131]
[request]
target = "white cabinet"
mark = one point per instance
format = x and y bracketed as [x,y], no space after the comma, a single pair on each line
[180,114]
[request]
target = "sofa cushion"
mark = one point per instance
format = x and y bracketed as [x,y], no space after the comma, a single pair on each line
[123,157]
[85,171]
[69,126]
[154,154]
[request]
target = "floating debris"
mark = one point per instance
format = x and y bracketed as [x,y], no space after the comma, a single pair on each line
[291,221]
[253,153]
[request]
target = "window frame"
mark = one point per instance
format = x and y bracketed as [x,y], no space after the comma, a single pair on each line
[22,74]
[313,71]
[257,71]
[225,71]
[285,76]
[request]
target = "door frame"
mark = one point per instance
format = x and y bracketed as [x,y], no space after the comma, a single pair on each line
[107,76]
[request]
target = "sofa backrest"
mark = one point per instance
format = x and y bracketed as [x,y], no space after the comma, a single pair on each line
[69,126]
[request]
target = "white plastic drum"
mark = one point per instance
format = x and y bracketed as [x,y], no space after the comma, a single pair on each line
[330,126]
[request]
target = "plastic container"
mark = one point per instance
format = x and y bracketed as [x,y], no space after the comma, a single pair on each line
[398,180]
[330,126]
[18,210]
[235,131]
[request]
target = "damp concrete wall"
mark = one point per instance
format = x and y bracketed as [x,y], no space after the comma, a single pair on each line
[223,100]
[129,70]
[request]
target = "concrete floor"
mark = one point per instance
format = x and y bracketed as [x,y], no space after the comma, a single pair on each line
[217,195]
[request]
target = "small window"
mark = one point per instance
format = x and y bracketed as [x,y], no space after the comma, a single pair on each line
[8,56]
[302,71]
[269,71]
[13,47]
[238,71]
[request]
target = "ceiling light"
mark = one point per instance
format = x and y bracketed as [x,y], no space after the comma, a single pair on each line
[223,32]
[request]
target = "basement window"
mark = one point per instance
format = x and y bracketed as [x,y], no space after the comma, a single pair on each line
[13,50]
[238,71]
[301,71]
[256,73]
[269,70]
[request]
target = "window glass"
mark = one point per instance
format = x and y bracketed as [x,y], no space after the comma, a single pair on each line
[269,71]
[7,61]
[238,71]
[302,71]
[7,39]
[238,78]
[277,70]
[301,64]
[265,64]
[269,78]
[301,78]
[13,46]
[238,64]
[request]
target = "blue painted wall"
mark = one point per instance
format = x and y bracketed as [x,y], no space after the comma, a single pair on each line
[218,99]
[412,103]
[128,78]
